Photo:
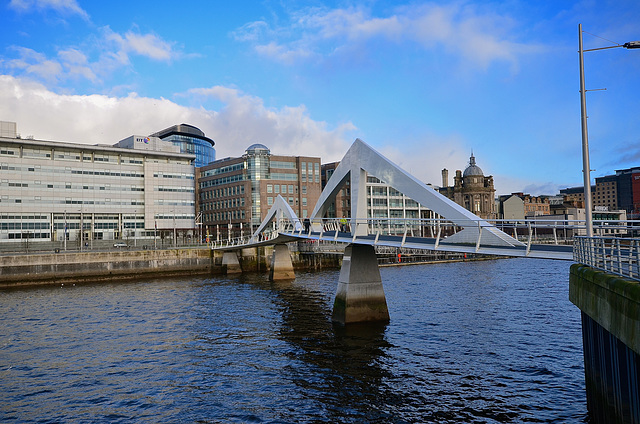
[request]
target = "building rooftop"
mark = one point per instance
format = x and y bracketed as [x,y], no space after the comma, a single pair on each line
[472,169]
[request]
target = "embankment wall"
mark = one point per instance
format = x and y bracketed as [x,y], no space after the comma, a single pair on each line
[610,308]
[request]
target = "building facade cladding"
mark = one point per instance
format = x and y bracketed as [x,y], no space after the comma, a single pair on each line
[53,190]
[472,190]
[606,192]
[628,190]
[190,140]
[235,194]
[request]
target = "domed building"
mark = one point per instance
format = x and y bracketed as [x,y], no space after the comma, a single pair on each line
[472,190]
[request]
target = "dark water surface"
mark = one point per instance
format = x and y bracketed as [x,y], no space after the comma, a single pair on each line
[479,342]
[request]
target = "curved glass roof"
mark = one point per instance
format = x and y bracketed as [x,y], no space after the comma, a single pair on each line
[256,147]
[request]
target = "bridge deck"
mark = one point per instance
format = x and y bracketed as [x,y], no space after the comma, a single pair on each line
[540,251]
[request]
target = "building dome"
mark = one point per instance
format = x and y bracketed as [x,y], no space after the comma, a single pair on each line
[472,169]
[257,149]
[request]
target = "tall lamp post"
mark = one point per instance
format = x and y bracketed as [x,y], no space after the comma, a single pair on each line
[586,167]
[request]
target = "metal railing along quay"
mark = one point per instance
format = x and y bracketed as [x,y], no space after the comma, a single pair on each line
[616,255]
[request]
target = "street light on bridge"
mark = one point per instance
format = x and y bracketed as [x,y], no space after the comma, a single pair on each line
[586,167]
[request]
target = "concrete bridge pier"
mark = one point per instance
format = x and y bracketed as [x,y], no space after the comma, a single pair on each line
[360,295]
[231,263]
[281,265]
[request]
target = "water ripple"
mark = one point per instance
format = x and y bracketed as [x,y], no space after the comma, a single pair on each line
[481,342]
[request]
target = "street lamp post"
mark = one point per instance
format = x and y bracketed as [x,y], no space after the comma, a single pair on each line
[586,167]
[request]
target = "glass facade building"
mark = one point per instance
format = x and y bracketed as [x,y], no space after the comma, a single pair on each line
[190,140]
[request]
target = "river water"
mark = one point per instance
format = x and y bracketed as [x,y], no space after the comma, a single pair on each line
[475,342]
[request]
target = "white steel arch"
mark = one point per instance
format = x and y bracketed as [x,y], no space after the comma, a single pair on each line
[279,210]
[361,159]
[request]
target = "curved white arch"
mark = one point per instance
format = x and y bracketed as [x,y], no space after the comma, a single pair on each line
[279,210]
[361,159]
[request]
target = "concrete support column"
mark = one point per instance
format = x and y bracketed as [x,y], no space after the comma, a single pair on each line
[360,296]
[230,261]
[281,265]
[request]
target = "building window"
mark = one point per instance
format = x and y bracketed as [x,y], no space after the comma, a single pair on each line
[269,188]
[269,200]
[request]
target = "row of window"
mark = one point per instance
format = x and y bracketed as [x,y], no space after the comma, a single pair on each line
[222,192]
[282,164]
[284,177]
[175,216]
[282,188]
[223,204]
[69,186]
[310,166]
[224,216]
[24,225]
[221,181]
[37,169]
[223,170]
[182,176]
[291,201]
[304,178]
[28,152]
[173,189]
[69,201]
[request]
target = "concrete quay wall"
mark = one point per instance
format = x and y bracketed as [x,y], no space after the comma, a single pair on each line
[610,308]
[78,267]
[96,266]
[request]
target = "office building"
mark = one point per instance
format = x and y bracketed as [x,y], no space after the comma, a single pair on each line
[235,193]
[606,192]
[74,195]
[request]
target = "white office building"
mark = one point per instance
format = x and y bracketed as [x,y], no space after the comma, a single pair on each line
[139,192]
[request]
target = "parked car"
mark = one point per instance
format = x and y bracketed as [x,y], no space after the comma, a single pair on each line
[120,245]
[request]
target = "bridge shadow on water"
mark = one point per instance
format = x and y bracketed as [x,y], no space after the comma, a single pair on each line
[339,368]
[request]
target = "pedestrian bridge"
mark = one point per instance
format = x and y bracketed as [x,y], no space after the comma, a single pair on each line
[360,296]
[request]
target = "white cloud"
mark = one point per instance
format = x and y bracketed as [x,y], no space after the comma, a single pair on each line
[35,64]
[149,45]
[425,158]
[64,7]
[245,120]
[97,59]
[242,121]
[476,37]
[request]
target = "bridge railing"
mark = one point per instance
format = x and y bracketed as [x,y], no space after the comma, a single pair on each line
[244,240]
[540,230]
[615,255]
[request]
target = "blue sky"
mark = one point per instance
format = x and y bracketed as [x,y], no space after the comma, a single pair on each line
[425,83]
